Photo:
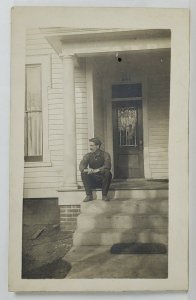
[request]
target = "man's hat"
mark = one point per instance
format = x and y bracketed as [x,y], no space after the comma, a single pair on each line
[96,141]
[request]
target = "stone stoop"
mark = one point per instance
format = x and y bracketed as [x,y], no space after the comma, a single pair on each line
[124,219]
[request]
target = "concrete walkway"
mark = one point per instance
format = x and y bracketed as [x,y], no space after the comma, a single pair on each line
[98,262]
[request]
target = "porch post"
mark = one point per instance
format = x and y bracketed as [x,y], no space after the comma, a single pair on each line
[70,164]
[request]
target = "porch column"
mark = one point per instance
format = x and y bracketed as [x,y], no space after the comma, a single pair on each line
[70,162]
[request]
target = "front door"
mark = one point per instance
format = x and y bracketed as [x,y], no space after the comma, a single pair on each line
[128,139]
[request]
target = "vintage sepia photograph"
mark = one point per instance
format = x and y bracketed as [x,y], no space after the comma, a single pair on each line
[96,145]
[96,153]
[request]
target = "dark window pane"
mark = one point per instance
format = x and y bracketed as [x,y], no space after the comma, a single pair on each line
[33,158]
[126,90]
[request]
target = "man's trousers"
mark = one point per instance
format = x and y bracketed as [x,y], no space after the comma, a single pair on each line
[97,180]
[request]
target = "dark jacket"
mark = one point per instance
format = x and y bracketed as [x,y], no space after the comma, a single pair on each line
[96,160]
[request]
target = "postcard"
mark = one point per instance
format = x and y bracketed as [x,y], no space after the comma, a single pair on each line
[99,149]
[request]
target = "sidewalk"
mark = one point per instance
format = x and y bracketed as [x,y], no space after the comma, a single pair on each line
[98,262]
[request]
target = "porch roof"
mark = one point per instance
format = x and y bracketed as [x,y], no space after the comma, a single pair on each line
[85,41]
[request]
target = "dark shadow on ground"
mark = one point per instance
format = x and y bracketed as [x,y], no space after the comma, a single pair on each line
[56,270]
[138,248]
[42,256]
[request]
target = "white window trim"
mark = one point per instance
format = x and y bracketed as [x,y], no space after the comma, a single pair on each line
[45,63]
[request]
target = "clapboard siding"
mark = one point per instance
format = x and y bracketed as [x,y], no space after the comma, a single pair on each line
[55,147]
[55,91]
[57,105]
[56,127]
[55,123]
[81,130]
[49,177]
[54,133]
[41,179]
[158,121]
[55,110]
[36,44]
[54,97]
[45,173]
[42,184]
[58,117]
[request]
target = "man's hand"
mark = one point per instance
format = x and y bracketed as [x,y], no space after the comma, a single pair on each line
[91,171]
[96,170]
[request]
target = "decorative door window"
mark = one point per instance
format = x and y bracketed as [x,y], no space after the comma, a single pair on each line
[33,147]
[127,90]
[127,126]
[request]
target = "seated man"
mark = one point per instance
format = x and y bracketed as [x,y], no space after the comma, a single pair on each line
[95,170]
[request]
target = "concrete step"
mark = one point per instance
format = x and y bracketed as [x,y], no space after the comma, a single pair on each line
[104,221]
[130,206]
[123,220]
[113,236]
[75,197]
[133,193]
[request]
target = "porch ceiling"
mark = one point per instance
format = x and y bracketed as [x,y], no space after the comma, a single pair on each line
[143,60]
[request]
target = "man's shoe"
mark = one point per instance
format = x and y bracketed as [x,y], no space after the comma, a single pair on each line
[88,198]
[105,198]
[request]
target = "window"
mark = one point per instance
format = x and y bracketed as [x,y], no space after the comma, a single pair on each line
[38,80]
[127,90]
[33,114]
[127,126]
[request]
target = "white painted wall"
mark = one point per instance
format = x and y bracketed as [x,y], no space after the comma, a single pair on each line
[44,180]
[158,122]
[41,180]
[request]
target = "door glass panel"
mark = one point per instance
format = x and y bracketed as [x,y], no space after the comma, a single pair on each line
[126,90]
[127,126]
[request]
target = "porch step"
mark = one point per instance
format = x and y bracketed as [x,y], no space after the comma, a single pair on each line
[76,196]
[133,193]
[122,220]
[126,205]
[112,236]
[87,222]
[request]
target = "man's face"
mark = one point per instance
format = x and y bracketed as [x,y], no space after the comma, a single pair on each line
[93,147]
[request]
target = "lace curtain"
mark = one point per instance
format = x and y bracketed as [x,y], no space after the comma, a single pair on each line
[127,123]
[33,112]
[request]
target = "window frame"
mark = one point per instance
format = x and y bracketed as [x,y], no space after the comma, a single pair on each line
[45,63]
